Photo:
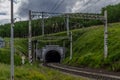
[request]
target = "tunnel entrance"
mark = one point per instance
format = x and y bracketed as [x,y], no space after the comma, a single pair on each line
[52,57]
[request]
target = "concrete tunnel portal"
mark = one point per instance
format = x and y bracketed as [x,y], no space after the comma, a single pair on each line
[52,56]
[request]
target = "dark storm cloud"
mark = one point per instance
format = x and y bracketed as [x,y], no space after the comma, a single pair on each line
[65,6]
[45,5]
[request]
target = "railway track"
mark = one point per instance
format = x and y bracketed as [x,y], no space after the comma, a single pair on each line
[96,75]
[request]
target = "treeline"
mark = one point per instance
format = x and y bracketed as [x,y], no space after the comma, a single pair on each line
[57,24]
[113,13]
[20,29]
[52,25]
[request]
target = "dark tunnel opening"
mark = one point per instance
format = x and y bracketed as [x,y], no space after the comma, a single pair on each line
[52,57]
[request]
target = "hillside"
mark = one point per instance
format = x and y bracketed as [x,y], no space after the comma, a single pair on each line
[27,71]
[88,48]
[87,52]
[34,72]
[20,48]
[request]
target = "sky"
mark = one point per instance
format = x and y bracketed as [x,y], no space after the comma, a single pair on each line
[21,7]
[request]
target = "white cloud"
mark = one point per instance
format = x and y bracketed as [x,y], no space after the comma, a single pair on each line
[77,6]
[5,8]
[92,6]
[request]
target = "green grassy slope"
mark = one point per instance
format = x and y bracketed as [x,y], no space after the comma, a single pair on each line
[20,48]
[27,71]
[88,48]
[34,72]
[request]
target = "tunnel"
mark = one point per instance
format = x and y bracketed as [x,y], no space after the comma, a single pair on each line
[52,57]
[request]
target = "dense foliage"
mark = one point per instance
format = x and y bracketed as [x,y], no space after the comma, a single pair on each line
[113,13]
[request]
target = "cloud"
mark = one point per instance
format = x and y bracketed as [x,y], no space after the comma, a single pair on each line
[3,21]
[91,6]
[21,7]
[46,6]
[5,10]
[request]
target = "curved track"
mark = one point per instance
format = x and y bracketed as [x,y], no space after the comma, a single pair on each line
[97,75]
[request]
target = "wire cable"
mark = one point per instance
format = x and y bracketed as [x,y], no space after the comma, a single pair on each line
[57,6]
[90,5]
[49,10]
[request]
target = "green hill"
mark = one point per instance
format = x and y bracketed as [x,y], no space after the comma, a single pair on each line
[88,48]
[20,48]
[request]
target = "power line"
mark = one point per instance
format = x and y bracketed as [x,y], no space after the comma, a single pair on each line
[86,9]
[90,5]
[60,9]
[57,6]
[85,4]
[49,10]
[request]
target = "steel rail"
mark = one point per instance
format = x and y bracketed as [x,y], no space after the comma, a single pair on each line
[84,73]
